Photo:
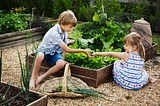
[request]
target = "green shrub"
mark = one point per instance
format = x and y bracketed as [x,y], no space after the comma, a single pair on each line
[13,22]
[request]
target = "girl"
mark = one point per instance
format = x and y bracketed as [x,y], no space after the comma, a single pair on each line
[129,72]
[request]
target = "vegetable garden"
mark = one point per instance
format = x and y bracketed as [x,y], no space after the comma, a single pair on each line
[101,27]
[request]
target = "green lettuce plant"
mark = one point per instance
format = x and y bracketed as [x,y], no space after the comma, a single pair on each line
[99,36]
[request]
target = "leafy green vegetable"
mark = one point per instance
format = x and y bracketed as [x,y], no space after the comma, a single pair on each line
[60,88]
[106,37]
[13,22]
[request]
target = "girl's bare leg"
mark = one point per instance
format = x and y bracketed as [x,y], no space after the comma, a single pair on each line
[152,80]
[37,64]
[59,65]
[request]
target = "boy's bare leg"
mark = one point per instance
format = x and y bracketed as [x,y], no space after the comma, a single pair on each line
[152,80]
[37,64]
[59,65]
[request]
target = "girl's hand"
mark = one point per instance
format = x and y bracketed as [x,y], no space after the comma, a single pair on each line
[94,54]
[87,53]
[122,61]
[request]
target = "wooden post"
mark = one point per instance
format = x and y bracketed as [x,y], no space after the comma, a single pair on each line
[158,20]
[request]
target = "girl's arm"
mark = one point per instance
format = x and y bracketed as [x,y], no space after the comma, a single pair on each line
[69,50]
[122,55]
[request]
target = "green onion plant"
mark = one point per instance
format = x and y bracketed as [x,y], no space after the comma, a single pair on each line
[35,44]
[3,97]
[25,74]
[0,64]
[89,92]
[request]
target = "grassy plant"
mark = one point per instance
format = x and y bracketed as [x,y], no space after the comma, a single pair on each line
[3,97]
[0,64]
[88,92]
[25,74]
[35,44]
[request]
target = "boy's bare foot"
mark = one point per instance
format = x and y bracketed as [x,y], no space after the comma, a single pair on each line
[32,84]
[40,78]
[152,80]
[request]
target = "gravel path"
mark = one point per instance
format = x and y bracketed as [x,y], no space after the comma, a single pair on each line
[149,95]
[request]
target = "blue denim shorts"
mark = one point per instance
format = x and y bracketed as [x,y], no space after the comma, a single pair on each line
[52,59]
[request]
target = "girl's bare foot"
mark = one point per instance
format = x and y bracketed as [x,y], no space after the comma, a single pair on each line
[32,84]
[152,80]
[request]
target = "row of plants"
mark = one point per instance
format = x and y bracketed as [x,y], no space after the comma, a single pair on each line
[84,10]
[50,8]
[17,21]
[13,22]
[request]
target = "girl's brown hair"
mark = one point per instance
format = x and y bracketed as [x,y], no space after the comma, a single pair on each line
[135,39]
[67,17]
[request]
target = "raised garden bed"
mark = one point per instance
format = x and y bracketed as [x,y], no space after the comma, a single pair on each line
[93,77]
[36,98]
[13,39]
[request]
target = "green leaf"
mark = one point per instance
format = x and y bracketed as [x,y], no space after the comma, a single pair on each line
[84,42]
[96,17]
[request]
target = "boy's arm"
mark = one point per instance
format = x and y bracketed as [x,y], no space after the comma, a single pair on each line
[69,50]
[122,55]
[63,54]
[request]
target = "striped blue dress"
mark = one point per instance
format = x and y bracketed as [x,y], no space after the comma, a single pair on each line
[128,74]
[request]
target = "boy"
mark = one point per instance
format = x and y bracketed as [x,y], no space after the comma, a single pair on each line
[54,42]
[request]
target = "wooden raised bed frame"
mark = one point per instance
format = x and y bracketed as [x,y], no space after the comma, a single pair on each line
[93,77]
[17,38]
[38,99]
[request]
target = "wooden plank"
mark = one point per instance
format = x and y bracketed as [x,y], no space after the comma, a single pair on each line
[94,82]
[38,99]
[19,42]
[21,33]
[92,73]
[104,70]
[151,52]
[19,37]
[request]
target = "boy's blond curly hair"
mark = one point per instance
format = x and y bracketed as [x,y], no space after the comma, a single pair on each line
[67,17]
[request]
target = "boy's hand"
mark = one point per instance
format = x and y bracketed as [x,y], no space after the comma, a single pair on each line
[87,53]
[66,62]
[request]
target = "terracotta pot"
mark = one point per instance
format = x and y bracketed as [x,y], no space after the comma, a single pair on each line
[143,28]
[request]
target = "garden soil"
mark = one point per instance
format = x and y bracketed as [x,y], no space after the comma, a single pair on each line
[148,95]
